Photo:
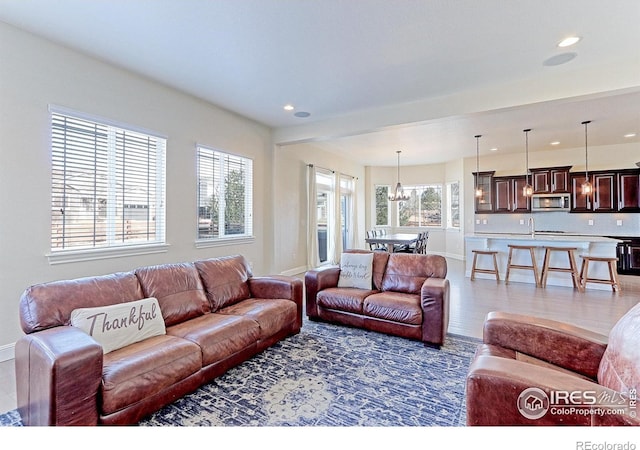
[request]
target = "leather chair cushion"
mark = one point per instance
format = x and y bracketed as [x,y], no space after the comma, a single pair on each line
[140,370]
[507,353]
[620,365]
[273,315]
[407,272]
[343,299]
[178,289]
[394,306]
[218,335]
[225,280]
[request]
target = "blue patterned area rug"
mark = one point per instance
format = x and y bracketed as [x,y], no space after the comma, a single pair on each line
[331,375]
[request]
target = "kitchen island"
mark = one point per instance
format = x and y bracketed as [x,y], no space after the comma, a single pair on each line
[585,245]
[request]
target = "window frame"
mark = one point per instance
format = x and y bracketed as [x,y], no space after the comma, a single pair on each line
[225,239]
[422,186]
[450,206]
[156,170]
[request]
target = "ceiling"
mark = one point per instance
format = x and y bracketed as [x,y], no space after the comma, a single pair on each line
[376,76]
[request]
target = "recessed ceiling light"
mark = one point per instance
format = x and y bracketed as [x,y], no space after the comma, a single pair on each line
[494,149]
[288,107]
[566,42]
[630,135]
[555,143]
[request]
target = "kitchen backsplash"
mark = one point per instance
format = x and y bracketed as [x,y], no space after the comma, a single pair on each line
[617,224]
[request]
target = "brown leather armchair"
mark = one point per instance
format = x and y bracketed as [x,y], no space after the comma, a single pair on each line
[534,371]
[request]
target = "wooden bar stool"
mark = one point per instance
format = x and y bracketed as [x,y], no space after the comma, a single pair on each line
[533,265]
[613,277]
[475,269]
[572,269]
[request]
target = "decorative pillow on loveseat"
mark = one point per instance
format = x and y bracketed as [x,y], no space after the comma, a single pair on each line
[116,326]
[356,270]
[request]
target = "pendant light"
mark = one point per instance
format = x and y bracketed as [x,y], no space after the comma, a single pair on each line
[478,189]
[587,187]
[398,194]
[527,190]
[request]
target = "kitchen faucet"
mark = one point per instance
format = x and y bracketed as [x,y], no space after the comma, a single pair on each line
[532,226]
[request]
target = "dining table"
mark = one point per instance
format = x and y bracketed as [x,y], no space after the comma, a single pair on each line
[391,240]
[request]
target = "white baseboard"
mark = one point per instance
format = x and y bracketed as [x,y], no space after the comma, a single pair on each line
[7,352]
[294,271]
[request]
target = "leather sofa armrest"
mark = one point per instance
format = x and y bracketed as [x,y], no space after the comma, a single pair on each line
[434,300]
[58,377]
[495,385]
[316,280]
[565,345]
[278,286]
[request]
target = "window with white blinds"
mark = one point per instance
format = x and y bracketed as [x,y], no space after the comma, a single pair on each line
[225,195]
[108,185]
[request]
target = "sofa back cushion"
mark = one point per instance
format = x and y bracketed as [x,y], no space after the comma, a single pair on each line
[406,272]
[380,260]
[178,289]
[50,304]
[620,365]
[225,280]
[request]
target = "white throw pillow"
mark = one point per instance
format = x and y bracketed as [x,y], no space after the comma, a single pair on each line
[356,270]
[116,326]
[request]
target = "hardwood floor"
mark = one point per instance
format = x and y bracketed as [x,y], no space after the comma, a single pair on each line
[597,310]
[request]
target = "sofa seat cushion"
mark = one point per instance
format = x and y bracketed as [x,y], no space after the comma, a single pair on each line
[218,335]
[343,299]
[394,306]
[273,315]
[139,370]
[507,353]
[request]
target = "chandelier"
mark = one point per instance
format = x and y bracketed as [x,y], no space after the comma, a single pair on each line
[398,194]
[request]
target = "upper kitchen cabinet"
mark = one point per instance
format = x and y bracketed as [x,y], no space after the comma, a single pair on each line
[629,190]
[604,196]
[484,182]
[550,180]
[508,194]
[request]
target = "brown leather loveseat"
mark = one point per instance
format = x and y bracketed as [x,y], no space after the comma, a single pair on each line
[534,371]
[408,297]
[216,315]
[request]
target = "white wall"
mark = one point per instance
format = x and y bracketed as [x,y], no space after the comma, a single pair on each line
[290,194]
[35,73]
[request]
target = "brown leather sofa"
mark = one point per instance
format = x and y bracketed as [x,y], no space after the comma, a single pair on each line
[216,314]
[409,297]
[533,371]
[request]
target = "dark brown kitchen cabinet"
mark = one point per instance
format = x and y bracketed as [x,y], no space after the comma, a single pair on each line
[579,201]
[550,180]
[604,192]
[629,190]
[484,181]
[604,196]
[508,194]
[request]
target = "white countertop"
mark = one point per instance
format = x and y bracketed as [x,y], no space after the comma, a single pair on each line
[557,237]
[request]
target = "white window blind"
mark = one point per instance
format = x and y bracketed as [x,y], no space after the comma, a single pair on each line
[108,185]
[225,195]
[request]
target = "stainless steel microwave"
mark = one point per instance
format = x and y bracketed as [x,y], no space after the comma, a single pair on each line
[550,202]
